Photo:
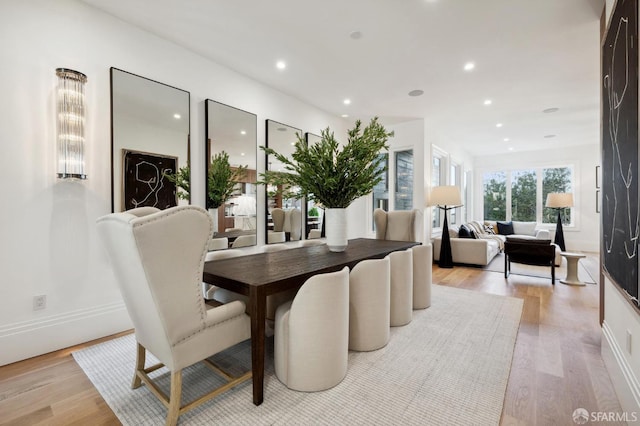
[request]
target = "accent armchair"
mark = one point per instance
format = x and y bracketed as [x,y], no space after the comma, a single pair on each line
[530,252]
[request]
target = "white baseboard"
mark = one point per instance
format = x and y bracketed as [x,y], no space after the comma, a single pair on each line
[624,380]
[39,336]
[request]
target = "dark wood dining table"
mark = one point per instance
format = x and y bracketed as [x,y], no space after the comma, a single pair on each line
[259,275]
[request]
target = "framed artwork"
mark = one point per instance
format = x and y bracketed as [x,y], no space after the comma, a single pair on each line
[145,182]
[619,205]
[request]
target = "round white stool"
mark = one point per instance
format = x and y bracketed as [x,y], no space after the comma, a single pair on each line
[572,268]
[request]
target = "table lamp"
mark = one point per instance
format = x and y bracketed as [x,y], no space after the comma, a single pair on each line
[559,201]
[445,198]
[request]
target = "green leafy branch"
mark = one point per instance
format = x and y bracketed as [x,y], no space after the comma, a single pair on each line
[329,175]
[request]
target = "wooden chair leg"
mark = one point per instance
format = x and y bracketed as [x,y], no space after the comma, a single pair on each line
[174,399]
[140,360]
[553,272]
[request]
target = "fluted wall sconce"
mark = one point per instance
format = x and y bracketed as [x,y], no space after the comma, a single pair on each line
[70,123]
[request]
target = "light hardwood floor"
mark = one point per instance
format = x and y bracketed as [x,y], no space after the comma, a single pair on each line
[556,366]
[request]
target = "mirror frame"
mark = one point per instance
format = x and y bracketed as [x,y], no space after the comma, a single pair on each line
[307,137]
[208,151]
[303,200]
[113,141]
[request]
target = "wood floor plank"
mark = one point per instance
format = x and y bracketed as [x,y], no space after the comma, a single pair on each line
[556,362]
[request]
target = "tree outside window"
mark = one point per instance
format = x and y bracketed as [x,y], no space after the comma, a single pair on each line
[495,195]
[523,195]
[556,179]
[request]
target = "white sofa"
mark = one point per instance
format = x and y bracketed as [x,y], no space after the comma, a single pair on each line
[469,251]
[486,246]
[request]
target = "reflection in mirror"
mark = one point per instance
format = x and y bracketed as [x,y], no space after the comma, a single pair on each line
[315,213]
[234,132]
[149,141]
[284,215]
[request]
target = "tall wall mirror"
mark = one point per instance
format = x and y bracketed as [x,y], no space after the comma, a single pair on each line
[313,219]
[149,142]
[284,215]
[234,132]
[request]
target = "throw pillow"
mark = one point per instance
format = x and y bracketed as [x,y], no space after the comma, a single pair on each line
[524,228]
[505,228]
[473,234]
[489,229]
[464,232]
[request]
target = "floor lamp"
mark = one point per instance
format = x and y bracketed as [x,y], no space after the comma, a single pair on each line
[445,198]
[559,201]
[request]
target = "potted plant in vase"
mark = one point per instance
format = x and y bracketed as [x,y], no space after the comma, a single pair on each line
[333,176]
[221,180]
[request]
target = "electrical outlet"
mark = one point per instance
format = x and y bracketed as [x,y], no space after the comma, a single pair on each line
[39,302]
[629,341]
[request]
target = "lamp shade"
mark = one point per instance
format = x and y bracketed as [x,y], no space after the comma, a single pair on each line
[559,200]
[445,196]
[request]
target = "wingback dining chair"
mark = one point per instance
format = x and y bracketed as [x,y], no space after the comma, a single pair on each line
[312,334]
[157,259]
[398,225]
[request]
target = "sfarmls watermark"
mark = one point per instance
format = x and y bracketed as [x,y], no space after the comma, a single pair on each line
[582,416]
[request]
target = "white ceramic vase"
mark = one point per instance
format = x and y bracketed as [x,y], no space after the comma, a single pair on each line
[214,216]
[336,229]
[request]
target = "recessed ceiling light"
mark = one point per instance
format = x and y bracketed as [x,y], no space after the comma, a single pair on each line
[281,65]
[242,154]
[510,148]
[345,115]
[469,66]
[506,139]
[243,132]
[282,129]
[347,101]
[416,92]
[177,116]
[293,143]
[487,102]
[550,110]
[549,136]
[499,125]
[356,35]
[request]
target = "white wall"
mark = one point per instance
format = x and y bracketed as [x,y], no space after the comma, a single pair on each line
[582,237]
[49,244]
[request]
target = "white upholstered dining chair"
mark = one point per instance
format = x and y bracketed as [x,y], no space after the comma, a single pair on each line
[312,334]
[369,304]
[158,258]
[401,299]
[422,275]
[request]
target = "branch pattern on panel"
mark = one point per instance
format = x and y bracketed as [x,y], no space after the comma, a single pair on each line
[620,214]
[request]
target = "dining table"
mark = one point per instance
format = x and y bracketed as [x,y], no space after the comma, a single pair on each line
[260,275]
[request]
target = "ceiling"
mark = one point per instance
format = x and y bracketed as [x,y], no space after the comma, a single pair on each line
[529,56]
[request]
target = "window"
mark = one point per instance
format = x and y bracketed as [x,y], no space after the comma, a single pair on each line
[495,195]
[455,178]
[435,181]
[403,197]
[521,194]
[381,190]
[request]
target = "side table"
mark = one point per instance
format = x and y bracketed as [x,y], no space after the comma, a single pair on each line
[572,268]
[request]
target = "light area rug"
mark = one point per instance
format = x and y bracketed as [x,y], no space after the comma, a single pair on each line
[450,365]
[497,265]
